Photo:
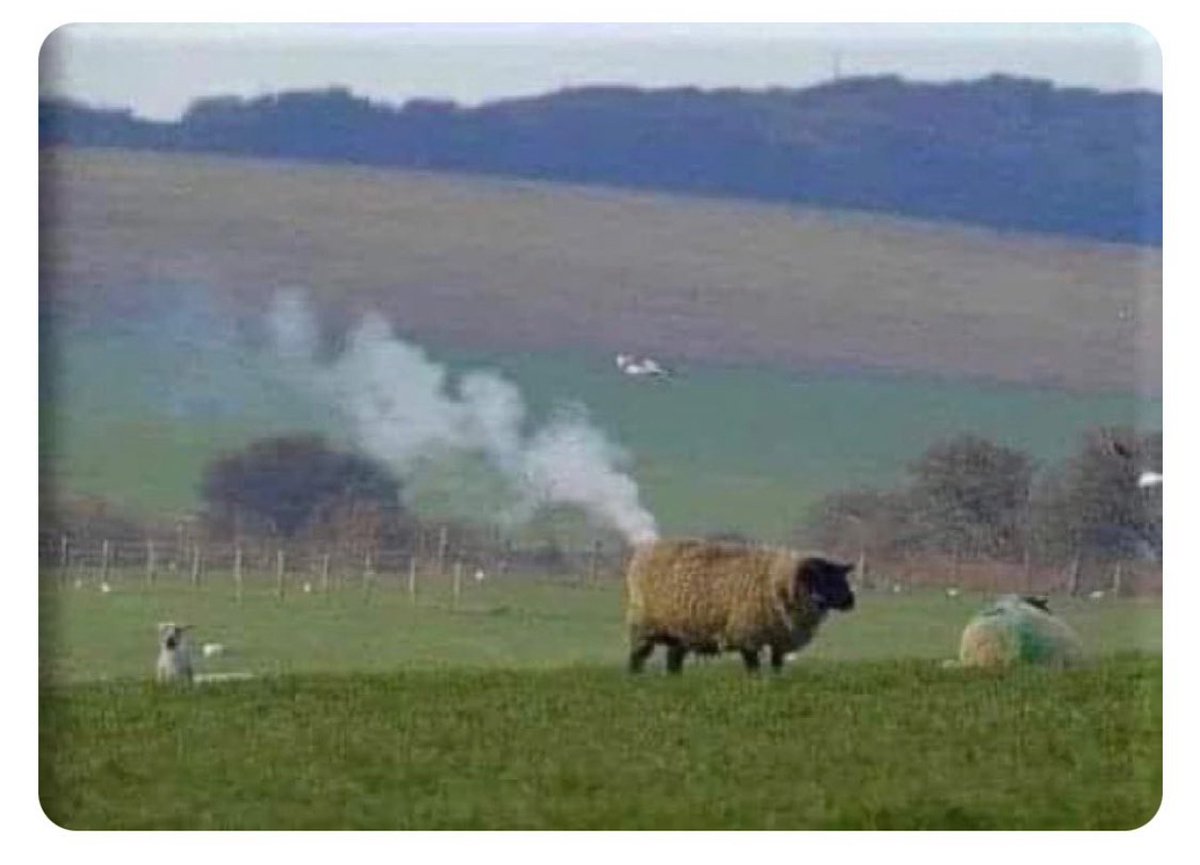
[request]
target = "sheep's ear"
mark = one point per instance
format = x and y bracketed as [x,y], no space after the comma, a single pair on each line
[808,571]
[1039,601]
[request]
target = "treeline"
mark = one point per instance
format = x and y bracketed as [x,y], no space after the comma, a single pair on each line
[299,495]
[1003,152]
[965,499]
[972,499]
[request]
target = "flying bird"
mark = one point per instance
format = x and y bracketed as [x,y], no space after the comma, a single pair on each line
[640,366]
[1150,479]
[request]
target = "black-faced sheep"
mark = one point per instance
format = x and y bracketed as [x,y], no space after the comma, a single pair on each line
[174,653]
[706,597]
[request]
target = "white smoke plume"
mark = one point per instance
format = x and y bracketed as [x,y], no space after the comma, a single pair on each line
[399,406]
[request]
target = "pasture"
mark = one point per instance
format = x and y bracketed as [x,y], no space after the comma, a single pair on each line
[510,709]
[112,432]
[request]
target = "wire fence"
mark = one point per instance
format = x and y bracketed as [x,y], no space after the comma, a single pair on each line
[439,558]
[312,566]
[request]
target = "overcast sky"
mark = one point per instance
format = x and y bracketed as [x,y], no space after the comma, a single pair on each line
[157,70]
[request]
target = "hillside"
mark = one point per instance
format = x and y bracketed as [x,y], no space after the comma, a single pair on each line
[513,266]
[1002,152]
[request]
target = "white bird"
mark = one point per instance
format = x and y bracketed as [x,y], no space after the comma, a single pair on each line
[1097,595]
[643,366]
[1150,479]
[105,588]
[308,588]
[479,575]
[952,592]
[211,649]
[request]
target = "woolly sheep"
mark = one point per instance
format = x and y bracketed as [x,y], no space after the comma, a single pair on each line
[1018,630]
[174,653]
[707,597]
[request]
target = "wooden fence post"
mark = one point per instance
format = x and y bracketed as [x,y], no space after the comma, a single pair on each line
[195,565]
[1073,577]
[279,572]
[412,579]
[325,574]
[65,559]
[149,563]
[1116,581]
[441,554]
[104,547]
[237,573]
[457,583]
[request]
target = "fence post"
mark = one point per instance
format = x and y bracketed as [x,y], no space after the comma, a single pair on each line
[237,572]
[412,579]
[1073,577]
[441,554]
[325,574]
[457,584]
[104,561]
[65,553]
[1116,581]
[279,573]
[195,565]
[149,562]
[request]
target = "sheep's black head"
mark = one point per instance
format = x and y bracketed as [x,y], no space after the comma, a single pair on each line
[826,584]
[1038,601]
[170,634]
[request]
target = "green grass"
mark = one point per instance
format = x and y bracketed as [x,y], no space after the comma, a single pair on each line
[869,745]
[510,623]
[510,709]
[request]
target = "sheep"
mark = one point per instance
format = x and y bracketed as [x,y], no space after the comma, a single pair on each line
[707,598]
[174,653]
[1018,630]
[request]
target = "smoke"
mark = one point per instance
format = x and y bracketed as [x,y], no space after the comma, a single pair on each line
[401,408]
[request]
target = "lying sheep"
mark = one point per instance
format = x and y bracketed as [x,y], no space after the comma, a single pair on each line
[707,597]
[1018,630]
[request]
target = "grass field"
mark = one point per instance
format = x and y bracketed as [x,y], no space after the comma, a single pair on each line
[816,352]
[512,710]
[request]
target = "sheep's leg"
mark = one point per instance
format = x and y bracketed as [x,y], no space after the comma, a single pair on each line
[637,657]
[777,656]
[675,656]
[750,657]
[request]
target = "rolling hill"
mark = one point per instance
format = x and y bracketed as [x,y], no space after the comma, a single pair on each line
[815,351]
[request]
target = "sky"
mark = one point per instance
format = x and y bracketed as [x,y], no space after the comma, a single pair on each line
[158,69]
